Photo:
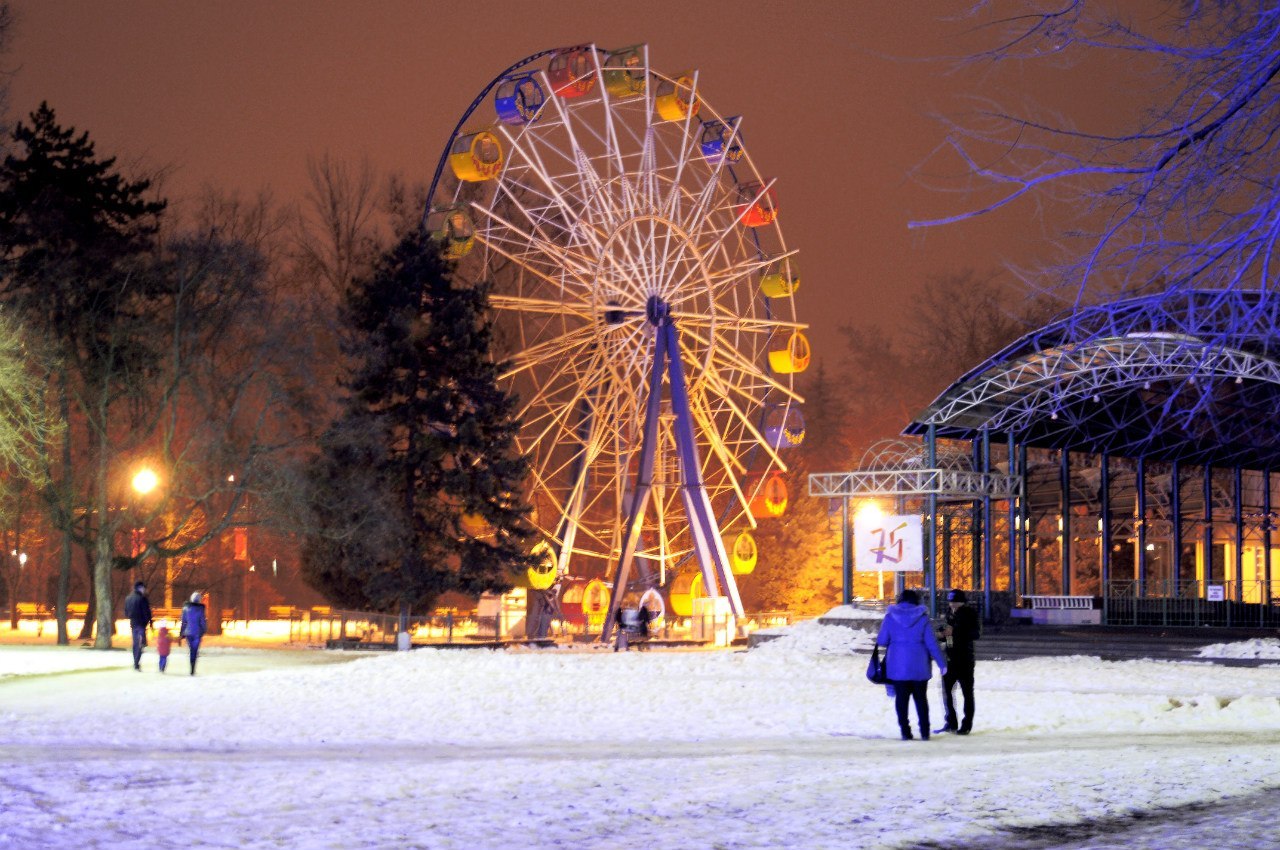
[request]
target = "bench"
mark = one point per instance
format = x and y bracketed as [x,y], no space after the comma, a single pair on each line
[1059,602]
[1064,610]
[77,609]
[28,610]
[281,612]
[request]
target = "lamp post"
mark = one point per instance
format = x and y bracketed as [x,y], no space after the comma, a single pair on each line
[145,480]
[13,588]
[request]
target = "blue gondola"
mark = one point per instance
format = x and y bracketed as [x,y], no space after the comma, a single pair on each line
[519,99]
[719,140]
[784,426]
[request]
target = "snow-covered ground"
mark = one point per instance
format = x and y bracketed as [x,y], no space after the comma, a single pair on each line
[784,746]
[1268,648]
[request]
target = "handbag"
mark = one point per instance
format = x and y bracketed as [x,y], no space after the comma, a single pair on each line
[876,673]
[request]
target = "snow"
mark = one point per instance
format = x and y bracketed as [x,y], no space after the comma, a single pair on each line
[853,612]
[1255,648]
[786,745]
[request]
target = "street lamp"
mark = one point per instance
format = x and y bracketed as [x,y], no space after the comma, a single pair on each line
[145,481]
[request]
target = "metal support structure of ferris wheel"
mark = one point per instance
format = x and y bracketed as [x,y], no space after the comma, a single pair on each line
[713,560]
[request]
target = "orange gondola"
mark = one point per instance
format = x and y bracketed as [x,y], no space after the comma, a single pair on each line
[476,156]
[768,495]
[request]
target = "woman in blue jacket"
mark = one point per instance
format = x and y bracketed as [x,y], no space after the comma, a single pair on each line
[907,635]
[194,625]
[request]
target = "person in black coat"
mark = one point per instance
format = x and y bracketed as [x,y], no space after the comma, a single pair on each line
[138,609]
[961,630]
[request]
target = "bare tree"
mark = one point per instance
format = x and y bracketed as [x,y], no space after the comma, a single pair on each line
[1184,194]
[954,324]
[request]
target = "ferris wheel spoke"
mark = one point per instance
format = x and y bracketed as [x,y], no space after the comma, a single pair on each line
[577,272]
[745,420]
[732,321]
[549,306]
[554,193]
[730,357]
[558,349]
[535,237]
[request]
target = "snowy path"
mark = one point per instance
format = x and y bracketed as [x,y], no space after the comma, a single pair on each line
[781,748]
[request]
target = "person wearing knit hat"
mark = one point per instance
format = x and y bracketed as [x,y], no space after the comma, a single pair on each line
[194,625]
[961,630]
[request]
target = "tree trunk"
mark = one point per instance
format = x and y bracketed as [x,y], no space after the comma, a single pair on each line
[64,564]
[102,591]
[64,589]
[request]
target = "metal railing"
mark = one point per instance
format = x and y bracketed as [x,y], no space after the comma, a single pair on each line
[1246,604]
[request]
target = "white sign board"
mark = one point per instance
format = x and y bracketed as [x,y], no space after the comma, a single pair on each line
[1215,592]
[887,543]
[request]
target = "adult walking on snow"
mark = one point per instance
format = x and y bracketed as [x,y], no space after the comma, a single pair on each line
[907,635]
[961,630]
[194,625]
[138,609]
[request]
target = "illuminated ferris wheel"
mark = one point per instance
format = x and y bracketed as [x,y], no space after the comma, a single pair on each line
[644,299]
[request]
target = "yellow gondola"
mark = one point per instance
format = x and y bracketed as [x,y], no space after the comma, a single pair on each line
[595,603]
[624,74]
[793,358]
[542,574]
[675,99]
[780,280]
[744,554]
[686,588]
[476,157]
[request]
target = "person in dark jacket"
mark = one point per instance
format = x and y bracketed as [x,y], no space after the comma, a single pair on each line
[138,609]
[961,630]
[194,625]
[908,637]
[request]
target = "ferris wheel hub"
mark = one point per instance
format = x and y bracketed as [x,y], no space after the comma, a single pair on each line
[657,311]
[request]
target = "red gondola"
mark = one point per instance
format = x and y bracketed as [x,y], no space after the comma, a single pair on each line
[572,73]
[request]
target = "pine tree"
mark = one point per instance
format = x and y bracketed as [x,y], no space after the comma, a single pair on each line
[799,565]
[75,239]
[419,487]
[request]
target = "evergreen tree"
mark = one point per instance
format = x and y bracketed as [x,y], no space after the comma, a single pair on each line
[418,489]
[799,565]
[75,238]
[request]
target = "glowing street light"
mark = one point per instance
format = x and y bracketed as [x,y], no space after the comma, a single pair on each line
[145,481]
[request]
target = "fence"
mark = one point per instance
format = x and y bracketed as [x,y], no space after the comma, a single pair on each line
[321,625]
[1192,603]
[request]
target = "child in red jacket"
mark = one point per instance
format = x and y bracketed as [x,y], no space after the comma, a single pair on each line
[162,646]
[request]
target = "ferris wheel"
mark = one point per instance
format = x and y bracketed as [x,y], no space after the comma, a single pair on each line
[644,302]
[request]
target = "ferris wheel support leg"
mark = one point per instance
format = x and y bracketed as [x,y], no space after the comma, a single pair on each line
[712,556]
[644,486]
